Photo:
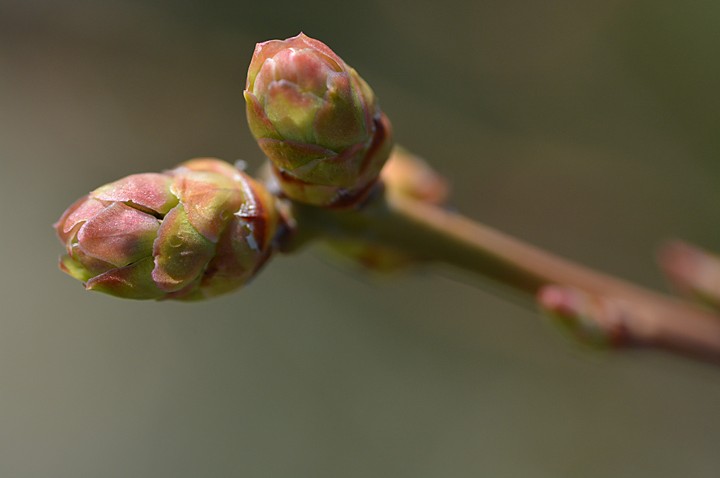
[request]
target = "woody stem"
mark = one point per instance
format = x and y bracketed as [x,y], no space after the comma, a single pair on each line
[431,233]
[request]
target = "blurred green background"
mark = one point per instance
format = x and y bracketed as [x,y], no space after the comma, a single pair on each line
[588,127]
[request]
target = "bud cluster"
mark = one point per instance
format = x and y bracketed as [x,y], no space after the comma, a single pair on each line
[205,228]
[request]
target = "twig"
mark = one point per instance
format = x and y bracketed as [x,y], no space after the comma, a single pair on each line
[625,314]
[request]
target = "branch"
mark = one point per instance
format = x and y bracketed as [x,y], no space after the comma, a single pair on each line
[594,304]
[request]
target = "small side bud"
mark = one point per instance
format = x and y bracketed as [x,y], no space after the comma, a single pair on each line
[595,320]
[694,272]
[411,176]
[317,121]
[199,230]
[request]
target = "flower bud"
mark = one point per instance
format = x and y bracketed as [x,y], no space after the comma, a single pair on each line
[199,230]
[317,121]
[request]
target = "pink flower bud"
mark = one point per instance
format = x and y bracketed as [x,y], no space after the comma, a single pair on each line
[317,120]
[193,232]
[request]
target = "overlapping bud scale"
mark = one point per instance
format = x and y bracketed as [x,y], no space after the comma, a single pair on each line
[193,232]
[317,121]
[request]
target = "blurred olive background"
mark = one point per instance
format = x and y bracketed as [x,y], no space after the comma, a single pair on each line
[587,127]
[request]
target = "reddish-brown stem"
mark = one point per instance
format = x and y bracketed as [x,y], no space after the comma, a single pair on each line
[645,318]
